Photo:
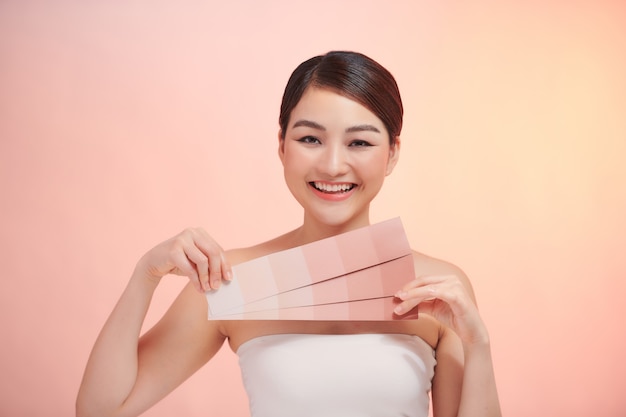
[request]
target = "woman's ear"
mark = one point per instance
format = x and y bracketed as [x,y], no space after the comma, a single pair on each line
[394,154]
[281,146]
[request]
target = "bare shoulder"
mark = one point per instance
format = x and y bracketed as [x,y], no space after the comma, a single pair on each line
[427,265]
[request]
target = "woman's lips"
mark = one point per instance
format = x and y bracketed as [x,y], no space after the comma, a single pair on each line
[332,191]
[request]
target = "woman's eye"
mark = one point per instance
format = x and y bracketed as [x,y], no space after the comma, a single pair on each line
[360,143]
[309,140]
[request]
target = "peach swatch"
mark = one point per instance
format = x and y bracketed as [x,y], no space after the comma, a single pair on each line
[351,276]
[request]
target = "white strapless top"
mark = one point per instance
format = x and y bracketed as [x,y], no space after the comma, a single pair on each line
[357,375]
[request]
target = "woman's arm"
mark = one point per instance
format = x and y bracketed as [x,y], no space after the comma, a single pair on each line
[125,375]
[464,383]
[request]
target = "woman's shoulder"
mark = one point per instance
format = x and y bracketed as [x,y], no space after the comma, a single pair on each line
[428,265]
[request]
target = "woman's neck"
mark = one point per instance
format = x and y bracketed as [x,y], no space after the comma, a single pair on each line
[313,229]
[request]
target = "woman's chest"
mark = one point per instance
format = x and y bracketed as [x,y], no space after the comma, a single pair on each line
[337,374]
[241,331]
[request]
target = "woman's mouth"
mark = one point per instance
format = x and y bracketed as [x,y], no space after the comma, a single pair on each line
[329,188]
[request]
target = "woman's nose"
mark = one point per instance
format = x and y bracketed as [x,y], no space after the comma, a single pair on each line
[334,161]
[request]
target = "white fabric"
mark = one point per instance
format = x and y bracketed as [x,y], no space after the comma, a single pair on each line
[304,375]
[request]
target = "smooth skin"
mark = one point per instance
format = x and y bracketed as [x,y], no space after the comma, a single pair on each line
[330,141]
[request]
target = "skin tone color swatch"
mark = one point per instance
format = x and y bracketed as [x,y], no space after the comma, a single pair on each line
[352,276]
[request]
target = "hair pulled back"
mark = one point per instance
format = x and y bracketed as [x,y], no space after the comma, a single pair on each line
[350,74]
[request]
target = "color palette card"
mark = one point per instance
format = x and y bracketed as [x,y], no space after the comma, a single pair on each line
[351,276]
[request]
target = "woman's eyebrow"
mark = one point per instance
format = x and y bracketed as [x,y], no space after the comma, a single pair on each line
[362,128]
[351,129]
[309,123]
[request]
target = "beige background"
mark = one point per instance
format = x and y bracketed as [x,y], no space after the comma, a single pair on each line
[123,122]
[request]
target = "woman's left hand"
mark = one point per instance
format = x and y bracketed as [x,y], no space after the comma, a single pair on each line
[448,299]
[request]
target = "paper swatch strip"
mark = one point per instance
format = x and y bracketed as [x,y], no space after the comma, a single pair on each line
[374,309]
[351,276]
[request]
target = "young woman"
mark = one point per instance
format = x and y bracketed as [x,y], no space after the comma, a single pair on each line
[340,122]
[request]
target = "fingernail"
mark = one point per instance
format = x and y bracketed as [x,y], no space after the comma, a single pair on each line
[398,310]
[216,284]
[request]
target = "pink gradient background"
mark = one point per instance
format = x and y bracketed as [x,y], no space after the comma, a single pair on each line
[122,123]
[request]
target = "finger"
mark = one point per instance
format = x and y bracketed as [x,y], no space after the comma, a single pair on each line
[186,268]
[450,292]
[405,306]
[415,296]
[426,292]
[201,266]
[215,270]
[218,266]
[227,271]
[425,280]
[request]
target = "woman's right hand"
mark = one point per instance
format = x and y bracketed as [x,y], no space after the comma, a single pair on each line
[191,253]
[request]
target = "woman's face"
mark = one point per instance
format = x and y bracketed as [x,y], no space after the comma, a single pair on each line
[336,154]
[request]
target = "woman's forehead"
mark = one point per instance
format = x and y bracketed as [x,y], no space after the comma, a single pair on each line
[329,104]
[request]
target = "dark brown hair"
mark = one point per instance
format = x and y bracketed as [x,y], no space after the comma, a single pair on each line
[350,74]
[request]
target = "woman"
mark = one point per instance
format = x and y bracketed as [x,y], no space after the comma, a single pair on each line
[340,122]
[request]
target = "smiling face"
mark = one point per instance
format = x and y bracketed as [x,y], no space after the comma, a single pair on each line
[336,154]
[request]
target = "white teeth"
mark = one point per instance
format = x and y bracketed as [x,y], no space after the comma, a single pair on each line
[332,188]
